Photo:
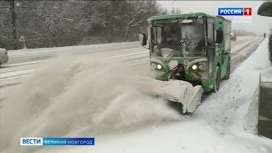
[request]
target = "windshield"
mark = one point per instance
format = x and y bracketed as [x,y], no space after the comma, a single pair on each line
[185,38]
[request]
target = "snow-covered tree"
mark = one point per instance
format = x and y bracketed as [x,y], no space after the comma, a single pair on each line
[61,23]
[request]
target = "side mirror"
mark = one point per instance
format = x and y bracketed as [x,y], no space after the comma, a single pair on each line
[142,38]
[265,9]
[219,36]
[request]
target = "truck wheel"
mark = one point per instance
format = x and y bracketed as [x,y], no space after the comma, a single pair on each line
[217,80]
[228,72]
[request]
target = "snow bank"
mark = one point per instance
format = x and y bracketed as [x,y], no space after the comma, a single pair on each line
[227,110]
[76,96]
[240,87]
[266,78]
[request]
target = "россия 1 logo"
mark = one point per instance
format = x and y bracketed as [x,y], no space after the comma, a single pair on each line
[235,11]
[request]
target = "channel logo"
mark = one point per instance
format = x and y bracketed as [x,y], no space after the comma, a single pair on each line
[235,11]
[31,141]
[57,141]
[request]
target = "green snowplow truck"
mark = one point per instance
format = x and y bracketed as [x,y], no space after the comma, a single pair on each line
[193,47]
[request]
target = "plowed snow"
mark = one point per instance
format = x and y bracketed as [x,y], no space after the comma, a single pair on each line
[76,96]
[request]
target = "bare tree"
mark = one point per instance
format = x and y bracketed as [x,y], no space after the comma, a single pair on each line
[59,23]
[139,13]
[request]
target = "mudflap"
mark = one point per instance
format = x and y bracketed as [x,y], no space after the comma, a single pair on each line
[173,90]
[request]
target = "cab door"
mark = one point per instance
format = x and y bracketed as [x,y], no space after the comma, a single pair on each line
[210,28]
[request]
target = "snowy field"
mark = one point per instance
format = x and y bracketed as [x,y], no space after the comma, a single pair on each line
[86,95]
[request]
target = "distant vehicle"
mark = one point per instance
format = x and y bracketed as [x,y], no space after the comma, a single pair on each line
[3,56]
[233,36]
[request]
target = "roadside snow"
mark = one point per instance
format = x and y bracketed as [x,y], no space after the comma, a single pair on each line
[266,78]
[227,109]
[54,49]
[251,118]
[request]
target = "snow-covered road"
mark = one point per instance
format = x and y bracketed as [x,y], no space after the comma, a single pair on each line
[148,124]
[23,62]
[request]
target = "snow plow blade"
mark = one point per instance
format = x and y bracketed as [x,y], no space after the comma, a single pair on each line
[174,90]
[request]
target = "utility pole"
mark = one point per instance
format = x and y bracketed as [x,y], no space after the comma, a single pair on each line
[13,23]
[173,6]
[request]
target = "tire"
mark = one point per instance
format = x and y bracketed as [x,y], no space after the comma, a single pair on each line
[228,72]
[217,80]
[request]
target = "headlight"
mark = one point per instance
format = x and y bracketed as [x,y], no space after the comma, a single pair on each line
[159,66]
[199,66]
[202,66]
[194,67]
[155,66]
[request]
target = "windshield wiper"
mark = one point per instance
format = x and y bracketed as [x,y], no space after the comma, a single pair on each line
[182,42]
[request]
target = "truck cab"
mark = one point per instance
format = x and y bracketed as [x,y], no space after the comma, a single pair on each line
[190,47]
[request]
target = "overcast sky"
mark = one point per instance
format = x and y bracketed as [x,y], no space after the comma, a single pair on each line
[255,23]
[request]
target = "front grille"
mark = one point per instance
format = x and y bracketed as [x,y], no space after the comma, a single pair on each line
[179,72]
